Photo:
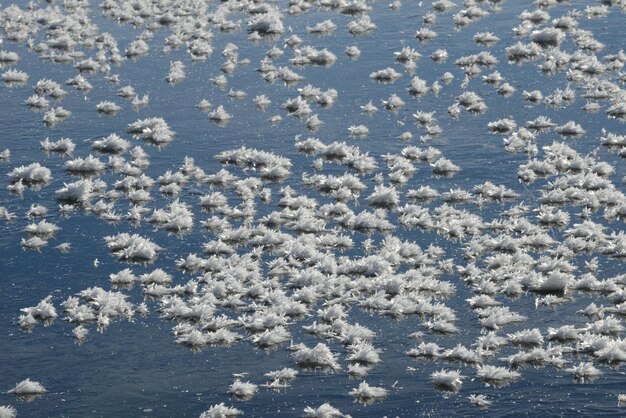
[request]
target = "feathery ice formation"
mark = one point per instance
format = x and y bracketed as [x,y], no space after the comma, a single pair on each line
[470,229]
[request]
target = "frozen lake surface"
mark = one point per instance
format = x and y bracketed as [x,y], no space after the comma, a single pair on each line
[472,219]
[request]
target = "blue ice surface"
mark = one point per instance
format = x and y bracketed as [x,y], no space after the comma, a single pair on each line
[135,368]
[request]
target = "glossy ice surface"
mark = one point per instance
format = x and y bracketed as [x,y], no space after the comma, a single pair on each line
[135,367]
